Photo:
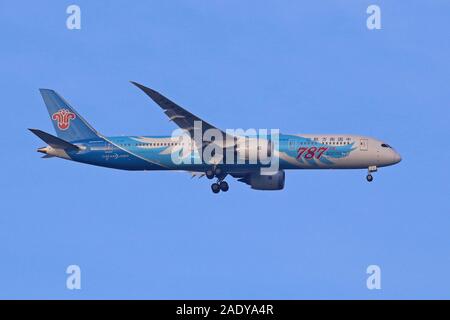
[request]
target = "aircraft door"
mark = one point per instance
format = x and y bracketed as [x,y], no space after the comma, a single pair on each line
[364,144]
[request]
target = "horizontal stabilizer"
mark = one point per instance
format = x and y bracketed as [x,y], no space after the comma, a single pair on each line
[54,142]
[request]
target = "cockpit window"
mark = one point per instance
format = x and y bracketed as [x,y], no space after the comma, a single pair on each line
[385,145]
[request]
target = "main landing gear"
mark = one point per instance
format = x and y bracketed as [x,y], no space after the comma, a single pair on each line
[215,172]
[371,169]
[220,185]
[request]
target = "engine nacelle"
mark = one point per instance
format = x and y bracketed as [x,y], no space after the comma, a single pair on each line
[267,182]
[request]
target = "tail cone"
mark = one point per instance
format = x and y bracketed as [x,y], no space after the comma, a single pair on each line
[43,150]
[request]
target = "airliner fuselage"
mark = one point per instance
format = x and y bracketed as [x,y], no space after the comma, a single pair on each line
[240,158]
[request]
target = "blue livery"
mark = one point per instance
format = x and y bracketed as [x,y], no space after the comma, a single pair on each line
[77,140]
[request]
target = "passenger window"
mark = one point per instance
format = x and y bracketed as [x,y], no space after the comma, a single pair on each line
[291,144]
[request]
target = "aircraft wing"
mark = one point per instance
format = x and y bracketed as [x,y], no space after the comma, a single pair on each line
[183,118]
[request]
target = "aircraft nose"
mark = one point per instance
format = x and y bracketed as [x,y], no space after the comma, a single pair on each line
[396,158]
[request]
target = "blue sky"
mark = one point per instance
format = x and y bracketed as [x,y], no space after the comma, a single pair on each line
[302,67]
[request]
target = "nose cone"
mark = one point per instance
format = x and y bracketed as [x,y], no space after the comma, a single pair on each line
[396,158]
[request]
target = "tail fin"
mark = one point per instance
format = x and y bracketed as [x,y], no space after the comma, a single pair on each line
[69,125]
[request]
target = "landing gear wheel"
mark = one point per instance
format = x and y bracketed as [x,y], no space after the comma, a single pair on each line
[215,187]
[217,172]
[369,177]
[224,186]
[209,174]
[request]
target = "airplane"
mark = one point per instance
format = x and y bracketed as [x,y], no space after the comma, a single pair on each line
[238,155]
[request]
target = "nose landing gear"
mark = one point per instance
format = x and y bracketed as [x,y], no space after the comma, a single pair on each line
[371,169]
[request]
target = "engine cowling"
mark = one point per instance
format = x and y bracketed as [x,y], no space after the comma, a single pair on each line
[267,182]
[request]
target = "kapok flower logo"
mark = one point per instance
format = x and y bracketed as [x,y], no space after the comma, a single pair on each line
[63,117]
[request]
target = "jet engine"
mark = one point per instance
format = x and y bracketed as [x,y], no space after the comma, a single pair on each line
[259,181]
